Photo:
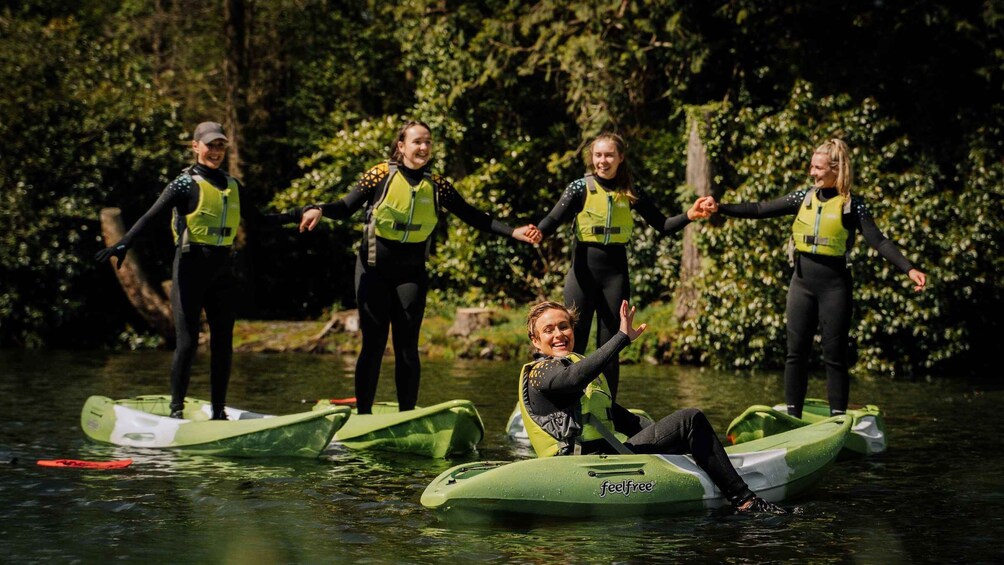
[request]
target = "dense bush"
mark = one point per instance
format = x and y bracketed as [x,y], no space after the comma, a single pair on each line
[81,121]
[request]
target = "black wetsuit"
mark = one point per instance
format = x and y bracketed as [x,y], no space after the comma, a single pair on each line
[598,280]
[202,277]
[391,295]
[557,384]
[820,296]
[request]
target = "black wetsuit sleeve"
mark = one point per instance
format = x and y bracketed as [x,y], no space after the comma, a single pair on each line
[874,236]
[254,218]
[666,226]
[177,194]
[560,376]
[784,206]
[451,200]
[359,194]
[567,207]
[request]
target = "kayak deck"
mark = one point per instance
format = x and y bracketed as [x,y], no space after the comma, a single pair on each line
[438,431]
[867,435]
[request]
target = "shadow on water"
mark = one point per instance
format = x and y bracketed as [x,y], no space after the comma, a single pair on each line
[933,497]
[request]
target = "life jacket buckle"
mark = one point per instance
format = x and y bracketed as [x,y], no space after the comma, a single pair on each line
[602,230]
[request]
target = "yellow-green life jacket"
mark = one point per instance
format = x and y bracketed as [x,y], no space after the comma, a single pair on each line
[605,217]
[819,227]
[402,212]
[557,432]
[215,219]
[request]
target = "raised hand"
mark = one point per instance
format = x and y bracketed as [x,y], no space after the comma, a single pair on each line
[528,233]
[118,251]
[919,278]
[627,320]
[310,219]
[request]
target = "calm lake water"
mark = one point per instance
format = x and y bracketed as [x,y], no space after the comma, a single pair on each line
[936,496]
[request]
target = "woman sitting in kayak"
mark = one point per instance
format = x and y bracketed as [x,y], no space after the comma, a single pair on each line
[567,408]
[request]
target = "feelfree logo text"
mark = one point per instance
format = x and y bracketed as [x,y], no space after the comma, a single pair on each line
[625,488]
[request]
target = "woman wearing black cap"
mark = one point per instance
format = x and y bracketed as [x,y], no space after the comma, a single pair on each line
[207,209]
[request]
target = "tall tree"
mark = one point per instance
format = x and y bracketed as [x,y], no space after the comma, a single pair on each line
[236,73]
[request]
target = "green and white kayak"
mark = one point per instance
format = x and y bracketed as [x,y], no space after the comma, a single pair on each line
[776,468]
[143,422]
[448,428]
[867,435]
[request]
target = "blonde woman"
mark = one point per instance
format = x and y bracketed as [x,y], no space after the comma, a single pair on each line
[827,219]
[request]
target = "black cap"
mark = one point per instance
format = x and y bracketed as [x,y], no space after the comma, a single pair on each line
[207,132]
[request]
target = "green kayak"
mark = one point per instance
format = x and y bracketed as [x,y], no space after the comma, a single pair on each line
[776,468]
[143,422]
[867,435]
[448,428]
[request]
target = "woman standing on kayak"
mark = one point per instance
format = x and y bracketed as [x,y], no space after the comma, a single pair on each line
[567,406]
[207,209]
[403,200]
[827,217]
[600,206]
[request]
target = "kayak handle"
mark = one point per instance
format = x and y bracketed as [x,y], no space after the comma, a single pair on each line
[618,472]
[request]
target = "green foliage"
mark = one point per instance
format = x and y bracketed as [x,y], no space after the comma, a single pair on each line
[98,110]
[80,117]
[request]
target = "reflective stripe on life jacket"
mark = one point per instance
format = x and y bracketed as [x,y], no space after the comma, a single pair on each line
[402,212]
[819,227]
[605,217]
[215,219]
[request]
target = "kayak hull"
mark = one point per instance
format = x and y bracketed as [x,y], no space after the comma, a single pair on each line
[143,422]
[776,468]
[867,435]
[448,428]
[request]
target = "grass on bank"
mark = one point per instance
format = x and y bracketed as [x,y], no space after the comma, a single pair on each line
[504,339]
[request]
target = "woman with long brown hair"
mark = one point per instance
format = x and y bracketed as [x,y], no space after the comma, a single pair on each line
[403,201]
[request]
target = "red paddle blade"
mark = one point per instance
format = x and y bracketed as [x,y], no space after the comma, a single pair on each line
[350,400]
[118,464]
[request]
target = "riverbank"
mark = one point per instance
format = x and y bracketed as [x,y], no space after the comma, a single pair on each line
[504,339]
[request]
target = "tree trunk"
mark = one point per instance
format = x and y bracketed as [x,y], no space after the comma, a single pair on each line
[470,319]
[147,300]
[701,178]
[235,75]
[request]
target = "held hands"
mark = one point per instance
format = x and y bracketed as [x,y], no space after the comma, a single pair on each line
[703,208]
[627,321]
[919,278]
[310,219]
[528,233]
[118,251]
[708,204]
